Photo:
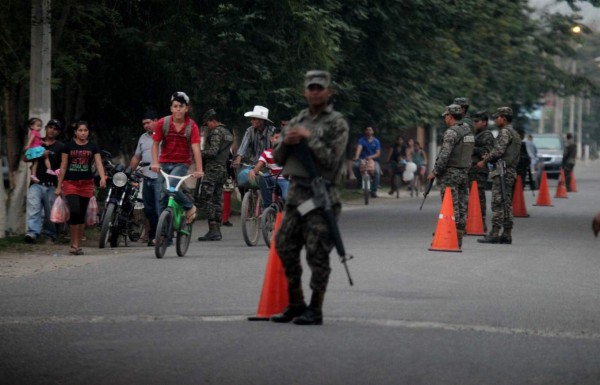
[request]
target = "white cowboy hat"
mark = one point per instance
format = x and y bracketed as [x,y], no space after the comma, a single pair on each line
[259,112]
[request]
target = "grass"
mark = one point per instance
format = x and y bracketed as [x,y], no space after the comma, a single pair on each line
[15,244]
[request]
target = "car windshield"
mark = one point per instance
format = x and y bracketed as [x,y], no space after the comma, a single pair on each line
[551,142]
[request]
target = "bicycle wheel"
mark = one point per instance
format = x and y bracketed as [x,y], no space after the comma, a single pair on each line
[107,221]
[163,232]
[267,224]
[183,238]
[251,217]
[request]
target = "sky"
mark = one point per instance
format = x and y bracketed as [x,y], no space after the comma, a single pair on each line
[591,14]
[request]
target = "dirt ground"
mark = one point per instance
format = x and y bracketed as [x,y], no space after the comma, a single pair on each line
[43,258]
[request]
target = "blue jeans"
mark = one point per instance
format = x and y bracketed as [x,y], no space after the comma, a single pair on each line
[177,169]
[376,175]
[40,199]
[151,195]
[266,183]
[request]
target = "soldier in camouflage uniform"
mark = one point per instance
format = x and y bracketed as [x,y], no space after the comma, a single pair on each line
[507,148]
[453,162]
[326,134]
[464,105]
[214,158]
[484,142]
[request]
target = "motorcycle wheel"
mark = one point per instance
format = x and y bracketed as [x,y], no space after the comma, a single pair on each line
[163,232]
[105,232]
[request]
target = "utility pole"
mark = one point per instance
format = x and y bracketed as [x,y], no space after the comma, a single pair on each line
[41,61]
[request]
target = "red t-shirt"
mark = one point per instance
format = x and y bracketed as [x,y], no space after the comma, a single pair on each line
[175,147]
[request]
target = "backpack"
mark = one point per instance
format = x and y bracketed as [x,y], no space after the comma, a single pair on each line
[167,123]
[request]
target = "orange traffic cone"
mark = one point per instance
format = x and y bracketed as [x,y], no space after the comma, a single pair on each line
[474,217]
[445,237]
[543,198]
[561,188]
[573,185]
[518,202]
[274,297]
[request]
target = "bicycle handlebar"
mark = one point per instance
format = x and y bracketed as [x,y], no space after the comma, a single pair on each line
[181,180]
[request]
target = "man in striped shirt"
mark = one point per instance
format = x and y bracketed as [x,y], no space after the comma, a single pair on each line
[268,180]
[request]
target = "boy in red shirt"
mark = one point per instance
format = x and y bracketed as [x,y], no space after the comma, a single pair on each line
[177,149]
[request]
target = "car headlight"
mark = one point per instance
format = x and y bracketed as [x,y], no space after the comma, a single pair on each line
[119,179]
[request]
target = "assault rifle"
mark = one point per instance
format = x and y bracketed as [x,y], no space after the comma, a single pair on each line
[321,199]
[427,190]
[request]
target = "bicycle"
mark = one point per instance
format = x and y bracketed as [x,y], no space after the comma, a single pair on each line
[251,207]
[173,219]
[366,179]
[269,215]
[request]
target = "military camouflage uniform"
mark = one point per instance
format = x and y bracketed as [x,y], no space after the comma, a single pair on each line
[328,140]
[568,161]
[214,161]
[484,142]
[452,172]
[507,147]
[469,122]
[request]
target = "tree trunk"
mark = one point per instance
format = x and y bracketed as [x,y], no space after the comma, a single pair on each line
[15,223]
[13,144]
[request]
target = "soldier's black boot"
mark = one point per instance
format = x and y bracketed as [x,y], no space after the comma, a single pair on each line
[295,308]
[506,236]
[213,234]
[314,313]
[493,237]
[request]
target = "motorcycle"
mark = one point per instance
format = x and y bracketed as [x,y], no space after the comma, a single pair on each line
[117,219]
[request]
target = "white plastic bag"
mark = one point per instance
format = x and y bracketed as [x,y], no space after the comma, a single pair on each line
[91,214]
[60,211]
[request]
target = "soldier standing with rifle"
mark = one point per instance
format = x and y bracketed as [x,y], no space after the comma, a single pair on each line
[484,143]
[313,141]
[505,155]
[214,159]
[453,162]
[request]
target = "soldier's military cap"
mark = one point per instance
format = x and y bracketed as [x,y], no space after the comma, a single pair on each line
[453,109]
[318,77]
[503,111]
[207,115]
[480,115]
[461,101]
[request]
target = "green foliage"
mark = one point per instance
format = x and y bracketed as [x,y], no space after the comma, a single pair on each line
[395,64]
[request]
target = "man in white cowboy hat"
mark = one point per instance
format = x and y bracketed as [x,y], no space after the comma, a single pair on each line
[256,138]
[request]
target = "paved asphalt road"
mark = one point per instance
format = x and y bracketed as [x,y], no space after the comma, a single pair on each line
[526,313]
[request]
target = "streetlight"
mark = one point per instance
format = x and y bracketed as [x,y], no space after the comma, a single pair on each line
[579,100]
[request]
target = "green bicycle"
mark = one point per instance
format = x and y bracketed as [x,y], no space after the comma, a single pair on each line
[173,219]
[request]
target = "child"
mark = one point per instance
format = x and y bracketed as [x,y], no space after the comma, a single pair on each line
[266,160]
[34,149]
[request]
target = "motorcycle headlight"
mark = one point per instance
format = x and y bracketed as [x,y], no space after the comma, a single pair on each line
[119,179]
